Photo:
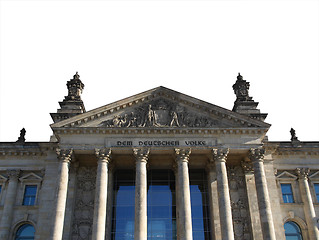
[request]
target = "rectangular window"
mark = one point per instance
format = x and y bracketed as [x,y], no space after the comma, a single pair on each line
[30,194]
[317,191]
[287,195]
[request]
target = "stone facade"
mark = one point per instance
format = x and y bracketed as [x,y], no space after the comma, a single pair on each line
[64,188]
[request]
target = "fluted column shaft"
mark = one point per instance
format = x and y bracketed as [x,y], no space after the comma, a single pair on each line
[109,204]
[99,216]
[61,195]
[140,228]
[184,208]
[7,213]
[266,219]
[225,213]
[308,203]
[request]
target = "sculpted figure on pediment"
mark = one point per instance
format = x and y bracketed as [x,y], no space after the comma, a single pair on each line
[160,113]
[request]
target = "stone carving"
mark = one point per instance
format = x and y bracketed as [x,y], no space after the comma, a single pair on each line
[75,88]
[84,204]
[256,154]
[160,113]
[239,203]
[303,173]
[241,88]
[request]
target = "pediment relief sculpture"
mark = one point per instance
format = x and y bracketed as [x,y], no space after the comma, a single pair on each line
[160,113]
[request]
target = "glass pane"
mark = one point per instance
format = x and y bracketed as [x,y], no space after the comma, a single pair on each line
[26,231]
[161,205]
[292,231]
[287,194]
[199,205]
[30,193]
[123,205]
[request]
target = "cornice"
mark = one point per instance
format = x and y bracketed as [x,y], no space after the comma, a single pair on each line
[21,152]
[181,131]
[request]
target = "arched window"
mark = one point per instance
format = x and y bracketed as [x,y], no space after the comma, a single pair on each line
[292,231]
[25,232]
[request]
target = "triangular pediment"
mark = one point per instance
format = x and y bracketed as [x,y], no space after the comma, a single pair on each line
[160,108]
[30,177]
[286,175]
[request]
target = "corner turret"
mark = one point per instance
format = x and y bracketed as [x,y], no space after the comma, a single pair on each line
[245,104]
[72,104]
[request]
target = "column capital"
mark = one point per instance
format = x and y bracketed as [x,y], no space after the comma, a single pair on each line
[65,155]
[220,154]
[182,154]
[13,173]
[303,173]
[256,154]
[141,154]
[103,154]
[247,167]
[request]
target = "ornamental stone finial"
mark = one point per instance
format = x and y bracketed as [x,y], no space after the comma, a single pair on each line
[64,155]
[303,173]
[256,154]
[220,154]
[183,154]
[141,154]
[103,154]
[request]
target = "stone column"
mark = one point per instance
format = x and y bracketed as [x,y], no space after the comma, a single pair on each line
[184,198]
[99,216]
[140,227]
[308,203]
[225,214]
[213,201]
[64,156]
[266,219]
[7,213]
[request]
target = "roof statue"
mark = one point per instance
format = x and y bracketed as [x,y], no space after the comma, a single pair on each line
[21,139]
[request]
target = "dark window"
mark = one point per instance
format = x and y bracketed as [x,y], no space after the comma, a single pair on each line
[25,232]
[123,205]
[292,231]
[161,205]
[200,205]
[30,193]
[287,195]
[317,191]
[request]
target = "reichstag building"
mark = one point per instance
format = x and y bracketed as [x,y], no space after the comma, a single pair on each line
[159,165]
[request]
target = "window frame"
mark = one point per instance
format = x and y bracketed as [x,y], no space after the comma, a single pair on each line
[285,194]
[21,224]
[30,179]
[288,178]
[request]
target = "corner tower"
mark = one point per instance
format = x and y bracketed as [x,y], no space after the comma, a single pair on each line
[72,104]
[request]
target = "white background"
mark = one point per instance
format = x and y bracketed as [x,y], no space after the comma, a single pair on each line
[122,48]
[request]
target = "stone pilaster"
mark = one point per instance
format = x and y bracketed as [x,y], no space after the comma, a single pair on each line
[7,213]
[252,199]
[140,228]
[308,203]
[225,213]
[99,216]
[109,204]
[266,219]
[213,201]
[64,156]
[184,208]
